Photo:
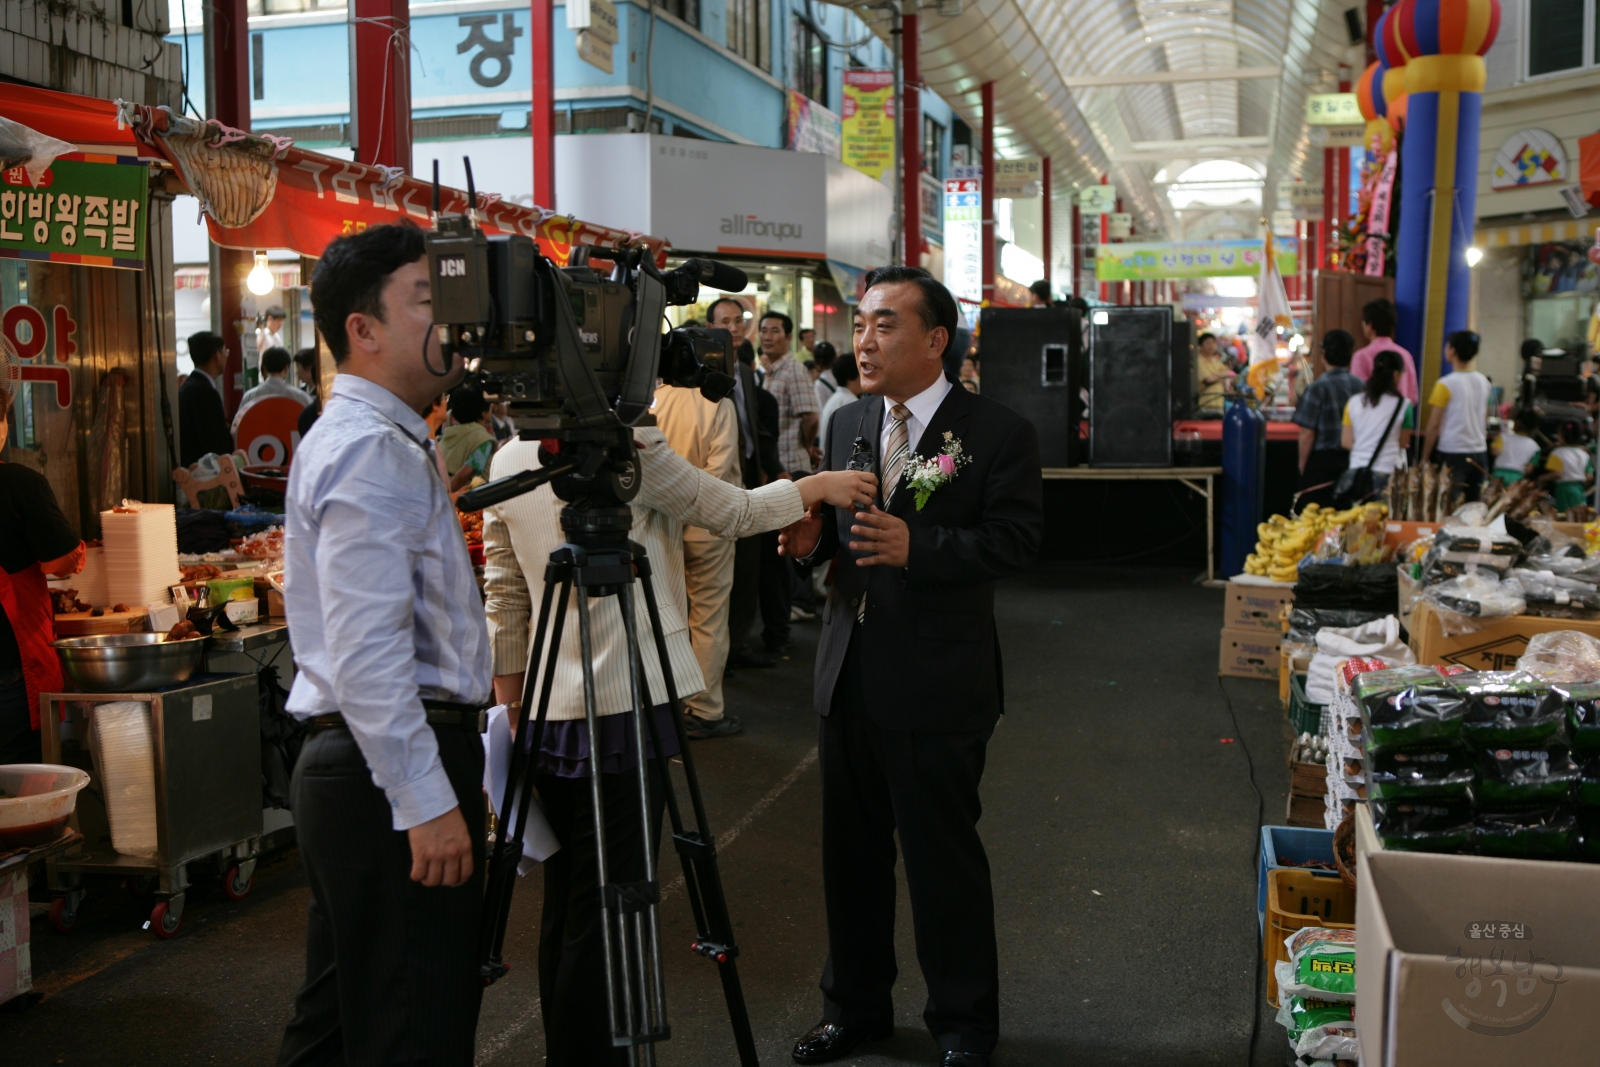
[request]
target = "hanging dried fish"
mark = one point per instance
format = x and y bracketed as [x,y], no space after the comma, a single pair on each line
[232,173]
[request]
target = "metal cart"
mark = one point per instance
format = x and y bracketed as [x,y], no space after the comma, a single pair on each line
[207,746]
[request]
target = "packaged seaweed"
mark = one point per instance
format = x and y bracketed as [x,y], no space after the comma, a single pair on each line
[1526,775]
[1583,715]
[1508,708]
[1319,1029]
[1424,825]
[1546,832]
[1469,550]
[1587,843]
[1440,771]
[1587,792]
[1321,964]
[1408,706]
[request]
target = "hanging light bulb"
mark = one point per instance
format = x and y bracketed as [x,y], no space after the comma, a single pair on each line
[259,280]
[1474,255]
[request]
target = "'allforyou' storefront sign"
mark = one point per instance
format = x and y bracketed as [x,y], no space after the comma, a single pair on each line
[1155,260]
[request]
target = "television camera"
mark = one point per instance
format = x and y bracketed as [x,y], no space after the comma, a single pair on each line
[575,354]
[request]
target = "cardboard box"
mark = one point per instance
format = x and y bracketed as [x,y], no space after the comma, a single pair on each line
[1255,607]
[1496,647]
[1306,811]
[1396,534]
[1308,779]
[1250,654]
[1434,991]
[16,960]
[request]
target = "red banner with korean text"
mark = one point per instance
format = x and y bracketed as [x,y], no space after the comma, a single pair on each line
[319,198]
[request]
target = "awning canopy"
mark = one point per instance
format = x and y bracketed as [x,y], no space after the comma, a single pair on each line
[89,123]
[261,192]
[1533,233]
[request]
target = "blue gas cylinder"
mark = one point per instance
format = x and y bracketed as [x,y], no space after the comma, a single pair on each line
[1244,465]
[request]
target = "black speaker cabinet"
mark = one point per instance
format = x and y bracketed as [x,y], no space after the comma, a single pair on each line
[1182,367]
[1032,362]
[1130,386]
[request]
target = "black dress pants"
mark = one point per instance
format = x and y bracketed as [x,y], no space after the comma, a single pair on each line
[924,786]
[572,975]
[391,965]
[776,578]
[745,599]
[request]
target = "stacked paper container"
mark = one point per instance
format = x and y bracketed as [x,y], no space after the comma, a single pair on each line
[141,554]
[128,775]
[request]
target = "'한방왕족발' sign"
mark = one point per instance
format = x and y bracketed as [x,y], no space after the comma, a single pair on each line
[85,209]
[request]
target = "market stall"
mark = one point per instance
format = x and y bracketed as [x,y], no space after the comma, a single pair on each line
[1442,678]
[172,635]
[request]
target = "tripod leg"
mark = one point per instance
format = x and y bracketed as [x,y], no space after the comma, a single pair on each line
[656,1012]
[608,904]
[502,866]
[697,849]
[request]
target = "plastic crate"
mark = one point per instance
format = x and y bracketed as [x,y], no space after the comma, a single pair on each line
[1297,899]
[1304,716]
[1292,843]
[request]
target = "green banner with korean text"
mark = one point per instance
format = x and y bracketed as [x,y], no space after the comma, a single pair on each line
[1154,260]
[86,209]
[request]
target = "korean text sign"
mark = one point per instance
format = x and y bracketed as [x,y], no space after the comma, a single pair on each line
[1147,261]
[86,209]
[868,121]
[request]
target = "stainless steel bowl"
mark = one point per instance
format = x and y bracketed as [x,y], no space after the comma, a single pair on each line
[129,663]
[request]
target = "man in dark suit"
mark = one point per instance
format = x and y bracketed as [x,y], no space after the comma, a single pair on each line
[908,678]
[758,462]
[202,424]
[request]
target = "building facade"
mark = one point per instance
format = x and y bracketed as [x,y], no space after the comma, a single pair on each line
[1535,279]
[689,80]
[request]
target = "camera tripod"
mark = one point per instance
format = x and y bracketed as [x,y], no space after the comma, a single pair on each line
[599,561]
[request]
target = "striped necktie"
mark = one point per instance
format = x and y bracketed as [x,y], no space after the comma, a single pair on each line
[898,450]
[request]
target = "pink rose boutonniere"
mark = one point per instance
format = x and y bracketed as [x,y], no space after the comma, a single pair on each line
[927,476]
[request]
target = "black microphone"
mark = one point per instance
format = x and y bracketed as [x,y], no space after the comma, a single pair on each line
[716,275]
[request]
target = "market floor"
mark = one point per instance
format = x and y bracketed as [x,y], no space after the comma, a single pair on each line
[1119,820]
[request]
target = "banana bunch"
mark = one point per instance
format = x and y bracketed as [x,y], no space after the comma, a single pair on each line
[1284,541]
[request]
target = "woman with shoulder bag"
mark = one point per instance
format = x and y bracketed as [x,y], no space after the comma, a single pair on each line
[1378,423]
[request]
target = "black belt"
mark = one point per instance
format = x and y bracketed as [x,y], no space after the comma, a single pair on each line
[439,713]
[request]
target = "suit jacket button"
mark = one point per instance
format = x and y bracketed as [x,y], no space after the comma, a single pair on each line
[854,601]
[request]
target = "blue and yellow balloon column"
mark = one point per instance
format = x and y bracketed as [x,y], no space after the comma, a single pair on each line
[1443,42]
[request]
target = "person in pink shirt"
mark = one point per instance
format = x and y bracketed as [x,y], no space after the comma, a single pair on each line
[1377,326]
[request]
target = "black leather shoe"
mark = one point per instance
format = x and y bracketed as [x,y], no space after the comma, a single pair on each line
[964,1059]
[746,658]
[827,1041]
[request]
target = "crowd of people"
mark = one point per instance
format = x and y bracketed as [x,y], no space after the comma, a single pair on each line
[741,504]
[1360,415]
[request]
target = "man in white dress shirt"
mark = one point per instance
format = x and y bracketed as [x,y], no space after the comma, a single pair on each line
[394,669]
[275,364]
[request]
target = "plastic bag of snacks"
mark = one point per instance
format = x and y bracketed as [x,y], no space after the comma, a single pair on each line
[1438,772]
[1562,656]
[1408,706]
[1508,708]
[1423,825]
[1319,1029]
[1321,964]
[1588,844]
[1542,774]
[1587,793]
[1462,603]
[1527,833]
[1583,716]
